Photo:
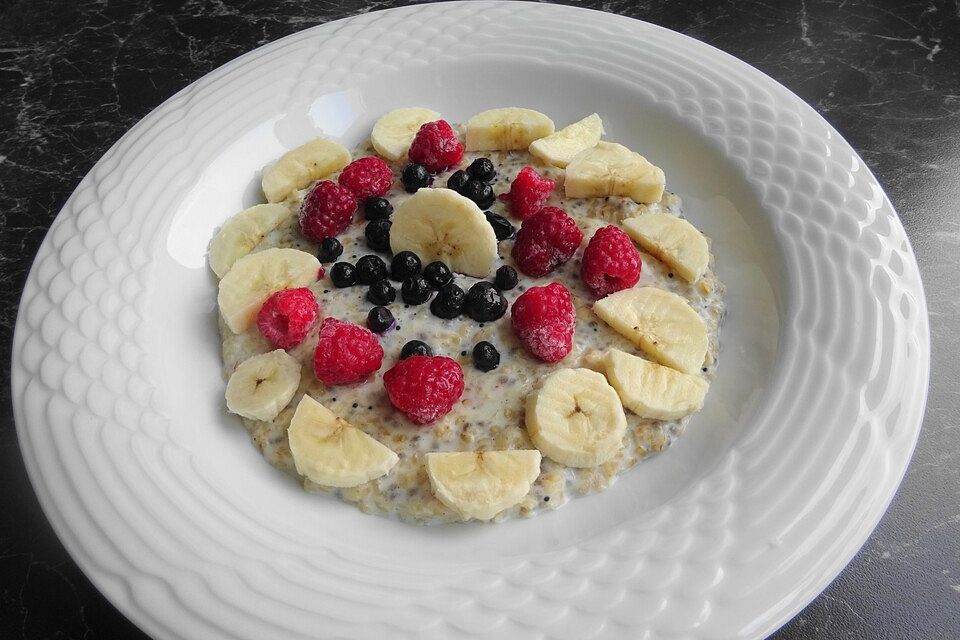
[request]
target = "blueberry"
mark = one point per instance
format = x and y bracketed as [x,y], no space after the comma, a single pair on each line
[506,278]
[501,226]
[449,302]
[343,274]
[437,274]
[458,180]
[484,303]
[485,356]
[415,348]
[330,250]
[378,235]
[370,269]
[379,319]
[479,192]
[404,265]
[381,292]
[415,176]
[415,290]
[376,208]
[483,170]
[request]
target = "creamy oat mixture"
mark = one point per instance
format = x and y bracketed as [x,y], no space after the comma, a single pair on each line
[490,415]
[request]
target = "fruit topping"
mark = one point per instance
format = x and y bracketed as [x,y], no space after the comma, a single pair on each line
[370,269]
[404,265]
[415,348]
[330,250]
[415,290]
[394,131]
[502,228]
[287,316]
[346,353]
[543,319]
[448,302]
[377,208]
[610,262]
[482,169]
[484,303]
[528,192]
[377,233]
[506,278]
[380,320]
[381,292]
[458,180]
[415,176]
[437,274]
[366,177]
[326,210]
[485,356]
[545,241]
[297,168]
[479,192]
[425,388]
[436,146]
[343,274]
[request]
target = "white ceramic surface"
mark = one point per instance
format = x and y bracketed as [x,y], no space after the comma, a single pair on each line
[160,497]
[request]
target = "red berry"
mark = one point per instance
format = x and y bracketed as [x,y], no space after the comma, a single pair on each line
[546,240]
[326,211]
[436,147]
[544,319]
[287,316]
[425,388]
[367,177]
[610,262]
[321,272]
[528,192]
[346,353]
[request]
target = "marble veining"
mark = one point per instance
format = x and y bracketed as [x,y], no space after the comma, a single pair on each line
[75,76]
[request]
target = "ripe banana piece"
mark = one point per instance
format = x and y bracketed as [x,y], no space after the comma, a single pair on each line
[441,224]
[263,385]
[297,168]
[395,130]
[506,128]
[651,390]
[241,233]
[576,418]
[559,148]
[673,240]
[256,276]
[610,169]
[659,322]
[330,452]
[481,484]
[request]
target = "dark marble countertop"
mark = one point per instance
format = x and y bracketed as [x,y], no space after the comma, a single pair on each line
[74,76]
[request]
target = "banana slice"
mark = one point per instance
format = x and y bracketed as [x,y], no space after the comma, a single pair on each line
[481,484]
[559,148]
[297,168]
[395,130]
[241,233]
[651,390]
[263,385]
[329,451]
[441,224]
[256,276]
[673,240]
[576,418]
[610,169]
[659,322]
[506,128]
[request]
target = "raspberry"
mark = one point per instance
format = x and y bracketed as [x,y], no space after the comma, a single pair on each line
[436,147]
[326,211]
[367,177]
[528,192]
[543,319]
[546,240]
[425,388]
[287,316]
[346,353]
[610,262]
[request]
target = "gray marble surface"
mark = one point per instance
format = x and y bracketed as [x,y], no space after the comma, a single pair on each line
[75,75]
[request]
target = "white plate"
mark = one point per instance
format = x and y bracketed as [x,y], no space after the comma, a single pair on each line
[165,504]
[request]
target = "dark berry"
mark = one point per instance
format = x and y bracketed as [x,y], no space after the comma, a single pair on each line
[378,235]
[381,292]
[506,278]
[458,180]
[484,303]
[415,348]
[404,265]
[449,302]
[437,274]
[415,176]
[415,290]
[479,192]
[501,226]
[330,250]
[343,274]
[485,356]
[482,169]
[370,269]
[377,208]
[379,319]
